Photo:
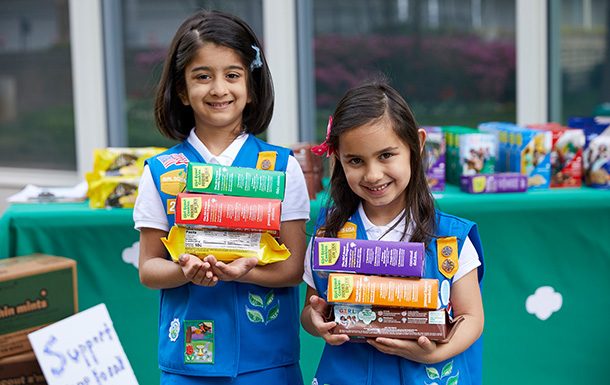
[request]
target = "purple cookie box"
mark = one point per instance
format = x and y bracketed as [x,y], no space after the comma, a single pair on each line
[502,182]
[401,259]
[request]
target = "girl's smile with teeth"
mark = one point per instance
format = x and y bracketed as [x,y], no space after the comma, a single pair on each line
[219,104]
[378,188]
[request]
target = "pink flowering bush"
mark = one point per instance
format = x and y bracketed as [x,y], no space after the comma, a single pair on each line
[428,69]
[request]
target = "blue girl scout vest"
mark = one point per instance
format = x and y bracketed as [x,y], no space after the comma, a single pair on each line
[233,327]
[360,363]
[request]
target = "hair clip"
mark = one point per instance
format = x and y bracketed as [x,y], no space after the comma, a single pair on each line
[324,147]
[257,62]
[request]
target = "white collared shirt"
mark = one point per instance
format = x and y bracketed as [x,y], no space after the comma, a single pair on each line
[149,212]
[468,259]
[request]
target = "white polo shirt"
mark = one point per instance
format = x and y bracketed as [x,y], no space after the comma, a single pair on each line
[149,212]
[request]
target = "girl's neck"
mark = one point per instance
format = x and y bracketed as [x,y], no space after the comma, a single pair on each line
[381,216]
[216,141]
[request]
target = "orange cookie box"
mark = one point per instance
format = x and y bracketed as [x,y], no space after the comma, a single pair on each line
[419,293]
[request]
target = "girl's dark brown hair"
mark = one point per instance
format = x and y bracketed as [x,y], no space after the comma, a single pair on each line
[173,118]
[359,106]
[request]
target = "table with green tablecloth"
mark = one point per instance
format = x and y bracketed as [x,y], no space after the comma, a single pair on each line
[547,252]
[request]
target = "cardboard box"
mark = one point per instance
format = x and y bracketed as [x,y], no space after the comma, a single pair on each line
[366,321]
[235,181]
[35,291]
[208,211]
[21,369]
[383,291]
[401,259]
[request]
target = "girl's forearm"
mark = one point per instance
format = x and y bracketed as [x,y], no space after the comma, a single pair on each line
[159,273]
[306,321]
[280,274]
[468,331]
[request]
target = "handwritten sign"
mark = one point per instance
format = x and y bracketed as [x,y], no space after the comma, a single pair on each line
[83,349]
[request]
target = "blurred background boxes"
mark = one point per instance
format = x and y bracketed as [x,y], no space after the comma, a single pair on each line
[312,166]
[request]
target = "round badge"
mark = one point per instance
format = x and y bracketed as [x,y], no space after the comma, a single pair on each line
[266,164]
[446,251]
[448,265]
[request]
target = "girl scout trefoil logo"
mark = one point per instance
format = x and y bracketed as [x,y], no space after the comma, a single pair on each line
[447,255]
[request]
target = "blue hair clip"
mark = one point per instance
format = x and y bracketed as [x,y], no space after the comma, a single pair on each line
[257,62]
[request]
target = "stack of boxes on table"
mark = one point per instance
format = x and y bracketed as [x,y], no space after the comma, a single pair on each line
[116,175]
[376,289]
[35,291]
[230,212]
[596,153]
[505,157]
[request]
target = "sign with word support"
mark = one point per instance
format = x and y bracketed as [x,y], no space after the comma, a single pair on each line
[83,349]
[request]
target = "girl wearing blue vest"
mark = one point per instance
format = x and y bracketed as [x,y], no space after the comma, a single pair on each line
[220,323]
[378,190]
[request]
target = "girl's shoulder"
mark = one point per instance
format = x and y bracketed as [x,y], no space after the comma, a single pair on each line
[177,148]
[443,216]
[448,224]
[270,147]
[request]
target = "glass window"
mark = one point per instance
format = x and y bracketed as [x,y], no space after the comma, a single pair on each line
[452,60]
[585,58]
[36,103]
[148,27]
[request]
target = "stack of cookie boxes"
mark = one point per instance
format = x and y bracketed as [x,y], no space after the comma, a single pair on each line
[377,290]
[229,212]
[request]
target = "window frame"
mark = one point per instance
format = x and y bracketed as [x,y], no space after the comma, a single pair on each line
[92,72]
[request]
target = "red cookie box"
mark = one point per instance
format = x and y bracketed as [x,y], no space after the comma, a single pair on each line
[228,212]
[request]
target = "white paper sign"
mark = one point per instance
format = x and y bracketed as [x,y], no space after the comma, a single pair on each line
[83,349]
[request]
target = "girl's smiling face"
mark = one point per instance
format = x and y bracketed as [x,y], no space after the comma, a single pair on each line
[216,88]
[377,168]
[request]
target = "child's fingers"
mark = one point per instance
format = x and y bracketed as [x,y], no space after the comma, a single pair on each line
[210,259]
[234,270]
[318,304]
[183,259]
[336,339]
[197,271]
[425,343]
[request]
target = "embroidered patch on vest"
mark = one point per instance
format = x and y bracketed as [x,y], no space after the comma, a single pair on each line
[173,182]
[172,159]
[447,256]
[265,309]
[348,231]
[174,330]
[198,342]
[171,206]
[446,371]
[266,160]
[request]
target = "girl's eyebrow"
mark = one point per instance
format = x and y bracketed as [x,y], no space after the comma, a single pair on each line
[383,150]
[208,68]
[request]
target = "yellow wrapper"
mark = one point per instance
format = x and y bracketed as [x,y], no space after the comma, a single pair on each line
[122,160]
[113,191]
[226,246]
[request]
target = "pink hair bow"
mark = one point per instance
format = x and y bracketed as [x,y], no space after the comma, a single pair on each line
[324,147]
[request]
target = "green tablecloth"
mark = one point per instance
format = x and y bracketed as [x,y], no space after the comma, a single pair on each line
[556,238]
